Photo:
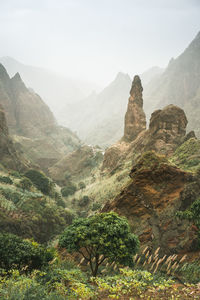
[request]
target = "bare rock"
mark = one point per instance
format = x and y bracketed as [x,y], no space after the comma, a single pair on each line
[135,119]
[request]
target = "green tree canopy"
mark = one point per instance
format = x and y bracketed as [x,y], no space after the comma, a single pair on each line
[99,237]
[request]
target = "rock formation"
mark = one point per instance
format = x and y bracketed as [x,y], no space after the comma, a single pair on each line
[135,120]
[167,130]
[157,191]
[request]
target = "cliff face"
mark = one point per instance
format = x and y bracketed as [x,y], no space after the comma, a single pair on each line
[156,192]
[32,123]
[135,120]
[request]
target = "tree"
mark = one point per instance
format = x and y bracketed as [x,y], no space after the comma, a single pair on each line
[100,237]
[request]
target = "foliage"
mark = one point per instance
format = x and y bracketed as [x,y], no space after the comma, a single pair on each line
[190,272]
[96,206]
[130,282]
[69,189]
[41,181]
[19,253]
[100,237]
[187,156]
[193,213]
[25,184]
[6,179]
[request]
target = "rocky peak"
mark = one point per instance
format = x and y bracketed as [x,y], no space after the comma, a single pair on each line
[17,83]
[135,119]
[167,129]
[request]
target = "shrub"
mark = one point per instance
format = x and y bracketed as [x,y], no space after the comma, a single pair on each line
[69,189]
[84,201]
[25,183]
[6,179]
[18,253]
[41,181]
[96,206]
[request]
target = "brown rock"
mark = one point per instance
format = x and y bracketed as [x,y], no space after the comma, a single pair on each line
[135,120]
[151,200]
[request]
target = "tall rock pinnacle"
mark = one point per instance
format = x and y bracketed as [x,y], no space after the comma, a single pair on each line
[135,119]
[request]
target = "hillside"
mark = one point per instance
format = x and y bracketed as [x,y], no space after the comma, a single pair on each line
[180,85]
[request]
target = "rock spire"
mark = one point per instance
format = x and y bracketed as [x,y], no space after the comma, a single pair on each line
[135,119]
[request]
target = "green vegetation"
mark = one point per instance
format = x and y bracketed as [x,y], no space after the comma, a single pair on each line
[69,189]
[6,179]
[41,181]
[101,237]
[187,156]
[22,254]
[27,212]
[192,213]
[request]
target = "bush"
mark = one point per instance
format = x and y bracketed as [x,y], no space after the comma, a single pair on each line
[5,179]
[41,181]
[18,253]
[96,206]
[68,190]
[25,184]
[84,201]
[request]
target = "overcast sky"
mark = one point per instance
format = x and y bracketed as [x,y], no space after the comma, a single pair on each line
[95,39]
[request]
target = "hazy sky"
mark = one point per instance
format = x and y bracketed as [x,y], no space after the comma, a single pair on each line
[95,39]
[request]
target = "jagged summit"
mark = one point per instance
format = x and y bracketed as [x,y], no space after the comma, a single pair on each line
[135,119]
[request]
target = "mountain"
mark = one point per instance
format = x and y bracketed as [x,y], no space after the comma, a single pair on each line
[32,124]
[179,84]
[56,90]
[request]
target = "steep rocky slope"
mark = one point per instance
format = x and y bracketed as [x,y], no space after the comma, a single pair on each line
[150,201]
[32,123]
[180,85]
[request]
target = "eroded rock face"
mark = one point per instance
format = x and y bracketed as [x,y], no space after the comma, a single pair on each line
[167,129]
[157,191]
[135,120]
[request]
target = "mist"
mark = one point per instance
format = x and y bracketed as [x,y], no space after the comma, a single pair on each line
[93,40]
